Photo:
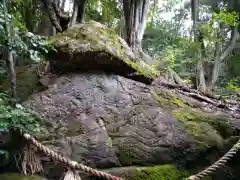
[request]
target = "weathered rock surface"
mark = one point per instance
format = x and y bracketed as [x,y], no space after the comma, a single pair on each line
[107,120]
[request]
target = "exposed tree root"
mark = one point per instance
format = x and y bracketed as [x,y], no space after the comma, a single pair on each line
[211,99]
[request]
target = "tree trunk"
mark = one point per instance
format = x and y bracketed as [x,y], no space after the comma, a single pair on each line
[216,66]
[122,31]
[219,58]
[75,13]
[45,27]
[78,11]
[81,10]
[201,84]
[63,5]
[105,13]
[135,13]
[198,38]
[58,19]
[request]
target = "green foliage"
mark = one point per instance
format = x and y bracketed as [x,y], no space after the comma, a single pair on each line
[29,11]
[226,17]
[173,51]
[214,29]
[234,85]
[165,39]
[21,42]
[108,12]
[16,116]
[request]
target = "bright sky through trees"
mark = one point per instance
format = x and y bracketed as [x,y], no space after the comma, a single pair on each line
[166,15]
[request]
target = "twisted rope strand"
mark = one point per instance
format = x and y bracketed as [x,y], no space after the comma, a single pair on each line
[218,164]
[67,161]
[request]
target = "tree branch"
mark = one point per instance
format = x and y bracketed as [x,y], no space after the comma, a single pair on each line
[231,44]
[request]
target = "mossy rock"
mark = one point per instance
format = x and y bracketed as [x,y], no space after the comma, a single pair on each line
[93,46]
[27,82]
[163,172]
[167,99]
[208,130]
[15,176]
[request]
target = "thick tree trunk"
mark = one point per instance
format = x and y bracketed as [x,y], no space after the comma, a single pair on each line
[58,19]
[81,10]
[63,5]
[216,66]
[135,13]
[45,27]
[78,11]
[201,84]
[198,38]
[75,13]
[122,31]
[135,17]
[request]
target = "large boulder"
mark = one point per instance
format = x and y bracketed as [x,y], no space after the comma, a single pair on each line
[107,120]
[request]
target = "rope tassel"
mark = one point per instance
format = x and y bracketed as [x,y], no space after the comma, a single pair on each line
[31,162]
[72,175]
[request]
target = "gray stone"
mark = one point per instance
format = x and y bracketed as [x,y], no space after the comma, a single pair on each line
[107,120]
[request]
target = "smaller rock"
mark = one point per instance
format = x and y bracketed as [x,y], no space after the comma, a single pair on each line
[92,46]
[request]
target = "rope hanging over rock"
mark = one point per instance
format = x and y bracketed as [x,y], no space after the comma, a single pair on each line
[29,159]
[218,164]
[71,164]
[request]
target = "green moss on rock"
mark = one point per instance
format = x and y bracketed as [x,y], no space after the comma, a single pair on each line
[92,40]
[167,99]
[207,130]
[128,157]
[164,172]
[27,81]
